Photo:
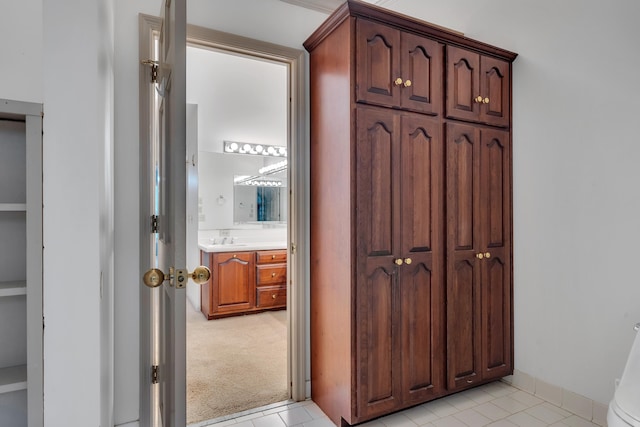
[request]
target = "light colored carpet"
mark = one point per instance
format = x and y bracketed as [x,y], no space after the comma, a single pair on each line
[235,363]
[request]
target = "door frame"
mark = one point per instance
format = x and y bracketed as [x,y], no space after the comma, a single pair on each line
[298,241]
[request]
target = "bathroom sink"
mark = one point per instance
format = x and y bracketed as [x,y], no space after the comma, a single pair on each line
[228,247]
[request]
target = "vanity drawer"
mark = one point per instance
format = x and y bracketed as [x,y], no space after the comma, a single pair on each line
[270,274]
[275,296]
[271,257]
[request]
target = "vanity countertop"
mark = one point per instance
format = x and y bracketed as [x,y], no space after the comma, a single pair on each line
[242,247]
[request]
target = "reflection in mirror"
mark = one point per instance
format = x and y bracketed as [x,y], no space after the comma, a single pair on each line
[224,204]
[259,199]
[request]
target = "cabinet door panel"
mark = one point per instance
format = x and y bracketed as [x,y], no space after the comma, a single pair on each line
[421,63]
[376,185]
[234,284]
[496,329]
[377,66]
[463,323]
[422,339]
[495,182]
[463,221]
[377,340]
[494,81]
[463,83]
[421,181]
[462,163]
[495,178]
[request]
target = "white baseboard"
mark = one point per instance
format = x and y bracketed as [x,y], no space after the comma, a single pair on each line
[130,424]
[584,407]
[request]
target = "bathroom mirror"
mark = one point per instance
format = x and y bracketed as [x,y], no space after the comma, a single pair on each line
[261,199]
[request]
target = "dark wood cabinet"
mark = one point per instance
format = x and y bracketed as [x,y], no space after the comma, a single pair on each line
[410,214]
[478,254]
[231,288]
[478,87]
[399,332]
[398,69]
[244,282]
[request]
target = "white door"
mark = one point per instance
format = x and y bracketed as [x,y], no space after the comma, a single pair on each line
[169,176]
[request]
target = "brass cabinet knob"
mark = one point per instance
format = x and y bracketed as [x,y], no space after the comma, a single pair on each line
[273,274]
[407,261]
[273,296]
[480,255]
[273,257]
[397,81]
[407,83]
[487,254]
[485,101]
[478,99]
[153,278]
[399,261]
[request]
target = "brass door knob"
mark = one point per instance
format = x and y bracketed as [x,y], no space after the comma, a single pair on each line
[201,275]
[153,278]
[397,81]
[487,255]
[407,261]
[399,261]
[480,255]
[485,101]
[407,83]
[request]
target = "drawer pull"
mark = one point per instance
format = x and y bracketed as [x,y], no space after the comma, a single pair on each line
[273,274]
[273,257]
[273,296]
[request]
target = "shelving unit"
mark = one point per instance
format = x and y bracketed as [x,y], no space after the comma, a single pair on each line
[21,401]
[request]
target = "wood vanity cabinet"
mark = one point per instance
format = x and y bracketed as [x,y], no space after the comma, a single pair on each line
[271,279]
[407,199]
[243,282]
[231,288]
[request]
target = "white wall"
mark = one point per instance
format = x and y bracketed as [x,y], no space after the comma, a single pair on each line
[77,77]
[21,50]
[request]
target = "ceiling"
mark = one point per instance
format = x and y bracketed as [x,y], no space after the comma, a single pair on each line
[329,5]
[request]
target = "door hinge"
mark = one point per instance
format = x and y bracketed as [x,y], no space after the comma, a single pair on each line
[154,224]
[154,374]
[154,69]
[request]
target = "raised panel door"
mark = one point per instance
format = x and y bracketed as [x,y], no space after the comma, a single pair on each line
[463,287]
[378,64]
[495,228]
[421,72]
[421,278]
[377,334]
[234,282]
[494,88]
[463,84]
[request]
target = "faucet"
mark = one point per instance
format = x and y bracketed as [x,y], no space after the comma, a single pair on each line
[224,240]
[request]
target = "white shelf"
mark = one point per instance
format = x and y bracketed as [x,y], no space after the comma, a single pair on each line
[13,378]
[9,289]
[13,207]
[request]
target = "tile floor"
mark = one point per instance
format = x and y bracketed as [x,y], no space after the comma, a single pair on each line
[496,404]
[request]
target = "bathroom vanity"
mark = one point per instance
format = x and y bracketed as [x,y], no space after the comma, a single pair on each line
[246,278]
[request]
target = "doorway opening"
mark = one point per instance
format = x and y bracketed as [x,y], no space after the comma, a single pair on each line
[237,225]
[290,316]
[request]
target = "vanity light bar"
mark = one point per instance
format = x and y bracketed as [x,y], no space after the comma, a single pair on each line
[274,168]
[257,149]
[256,181]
